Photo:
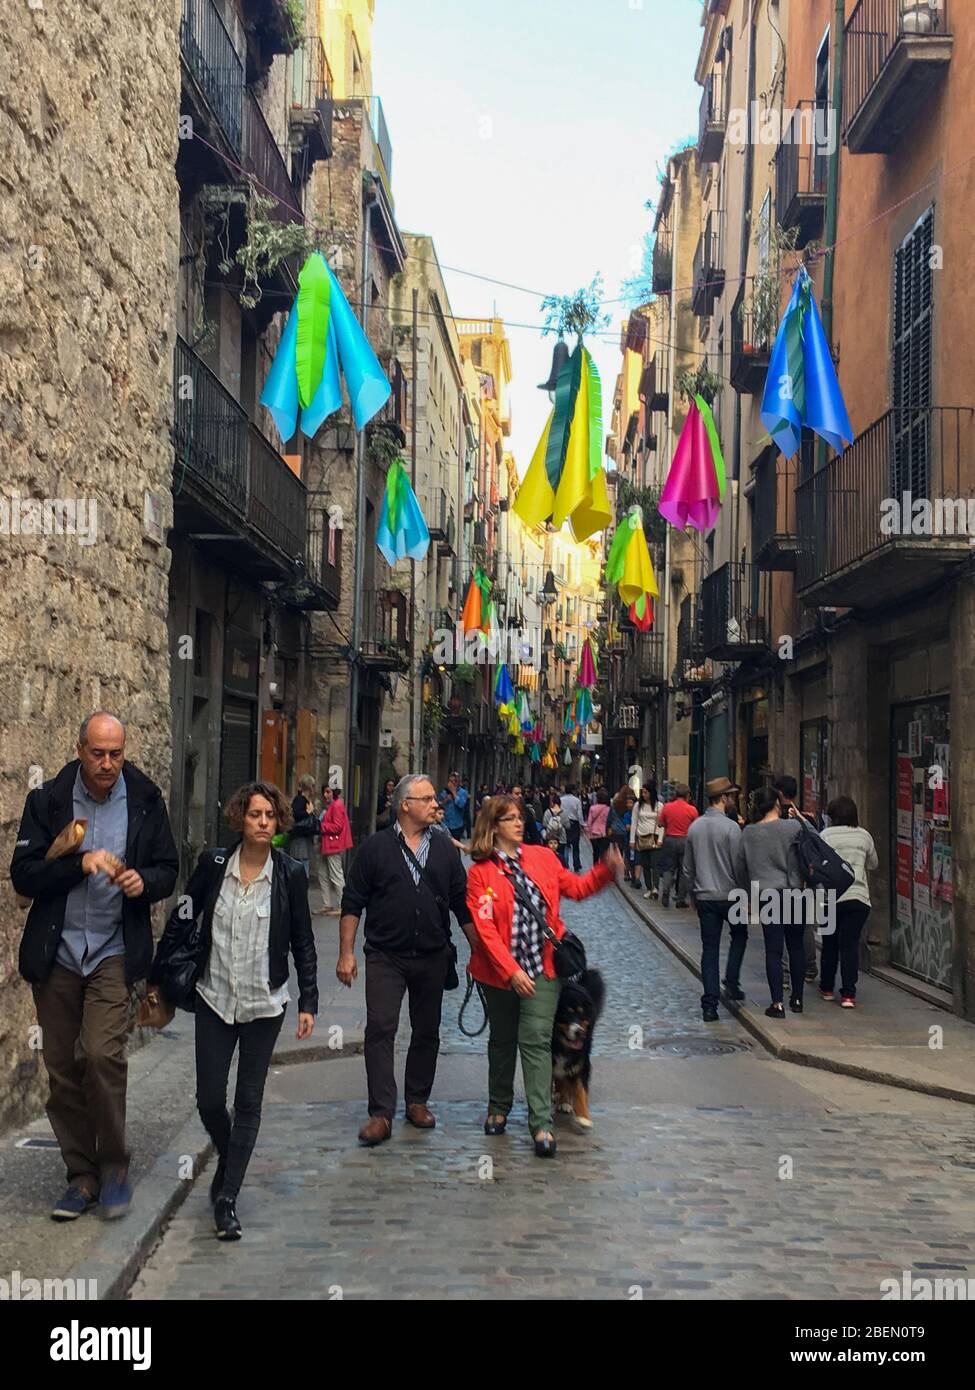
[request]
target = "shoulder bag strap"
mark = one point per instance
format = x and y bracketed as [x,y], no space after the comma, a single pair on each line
[438,898]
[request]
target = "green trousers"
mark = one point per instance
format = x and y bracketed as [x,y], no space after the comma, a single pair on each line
[525,1026]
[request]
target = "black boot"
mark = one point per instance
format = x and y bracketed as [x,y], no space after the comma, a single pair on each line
[217,1184]
[225,1219]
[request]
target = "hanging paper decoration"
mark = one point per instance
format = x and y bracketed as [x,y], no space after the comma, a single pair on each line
[695,486]
[551,747]
[568,723]
[801,387]
[476,612]
[524,714]
[565,479]
[587,667]
[567,757]
[402,532]
[519,745]
[514,729]
[641,613]
[628,565]
[583,708]
[535,754]
[504,693]
[321,338]
[537,734]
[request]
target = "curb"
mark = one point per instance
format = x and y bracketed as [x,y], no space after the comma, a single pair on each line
[785,1052]
[124,1248]
[321,1052]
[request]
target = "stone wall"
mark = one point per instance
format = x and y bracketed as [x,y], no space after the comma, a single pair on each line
[89,97]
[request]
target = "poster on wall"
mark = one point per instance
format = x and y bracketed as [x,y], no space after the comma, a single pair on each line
[902,881]
[922,854]
[914,739]
[905,779]
[941,886]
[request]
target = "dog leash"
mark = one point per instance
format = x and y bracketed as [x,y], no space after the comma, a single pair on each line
[472,984]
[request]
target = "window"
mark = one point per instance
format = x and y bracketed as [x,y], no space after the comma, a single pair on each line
[913,296]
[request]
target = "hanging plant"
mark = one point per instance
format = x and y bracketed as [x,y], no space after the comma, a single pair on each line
[702,382]
[646,498]
[763,306]
[464,673]
[266,245]
[433,717]
[575,314]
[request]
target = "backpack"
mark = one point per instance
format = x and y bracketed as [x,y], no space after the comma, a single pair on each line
[819,864]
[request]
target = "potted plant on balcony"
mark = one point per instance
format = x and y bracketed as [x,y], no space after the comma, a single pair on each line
[464,673]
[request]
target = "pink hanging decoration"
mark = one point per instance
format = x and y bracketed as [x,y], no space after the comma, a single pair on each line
[691,495]
[587,671]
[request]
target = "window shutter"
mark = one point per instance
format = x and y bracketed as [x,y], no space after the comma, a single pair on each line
[913,305]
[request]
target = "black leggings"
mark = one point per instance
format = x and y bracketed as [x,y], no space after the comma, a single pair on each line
[215,1044]
[792,936]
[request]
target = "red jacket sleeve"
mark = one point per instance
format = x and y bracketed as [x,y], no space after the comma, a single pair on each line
[572,886]
[482,915]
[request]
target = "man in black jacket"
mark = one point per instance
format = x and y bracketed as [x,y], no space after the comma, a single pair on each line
[407,881]
[88,937]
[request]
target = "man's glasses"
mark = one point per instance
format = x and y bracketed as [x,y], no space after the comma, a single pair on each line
[419,798]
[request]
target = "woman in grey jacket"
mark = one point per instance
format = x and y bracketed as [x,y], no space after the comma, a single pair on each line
[769,849]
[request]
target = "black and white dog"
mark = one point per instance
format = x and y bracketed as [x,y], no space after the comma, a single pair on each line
[580,1004]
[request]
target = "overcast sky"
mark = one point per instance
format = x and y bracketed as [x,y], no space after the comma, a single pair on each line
[527,136]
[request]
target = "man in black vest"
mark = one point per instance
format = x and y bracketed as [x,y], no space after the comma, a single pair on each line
[407,881]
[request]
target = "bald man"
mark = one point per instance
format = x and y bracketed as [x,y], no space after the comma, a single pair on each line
[88,937]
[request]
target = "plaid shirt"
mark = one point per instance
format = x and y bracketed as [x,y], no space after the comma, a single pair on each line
[526,931]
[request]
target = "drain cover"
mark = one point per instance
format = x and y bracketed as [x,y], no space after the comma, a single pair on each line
[696,1047]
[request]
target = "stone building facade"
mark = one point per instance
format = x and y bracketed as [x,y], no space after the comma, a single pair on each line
[89,232]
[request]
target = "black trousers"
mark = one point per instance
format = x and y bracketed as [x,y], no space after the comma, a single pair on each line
[215,1044]
[573,833]
[388,977]
[600,844]
[776,936]
[844,945]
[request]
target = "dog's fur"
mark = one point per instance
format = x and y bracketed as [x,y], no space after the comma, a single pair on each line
[580,1004]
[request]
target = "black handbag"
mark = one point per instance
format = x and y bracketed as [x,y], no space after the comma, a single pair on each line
[180,963]
[569,952]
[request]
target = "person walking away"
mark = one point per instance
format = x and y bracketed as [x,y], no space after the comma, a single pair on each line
[554,829]
[253,903]
[854,844]
[87,939]
[512,889]
[618,827]
[676,818]
[645,835]
[597,824]
[772,866]
[532,833]
[787,788]
[407,880]
[336,837]
[572,814]
[714,868]
[305,825]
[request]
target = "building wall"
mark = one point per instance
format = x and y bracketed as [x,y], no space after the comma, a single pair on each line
[88,251]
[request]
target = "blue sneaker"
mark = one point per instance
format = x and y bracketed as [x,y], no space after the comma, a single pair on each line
[75,1202]
[116,1195]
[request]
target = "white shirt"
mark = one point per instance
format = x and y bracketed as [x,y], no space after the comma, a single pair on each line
[235,983]
[571,808]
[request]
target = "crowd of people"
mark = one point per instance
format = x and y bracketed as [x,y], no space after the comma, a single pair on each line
[95,851]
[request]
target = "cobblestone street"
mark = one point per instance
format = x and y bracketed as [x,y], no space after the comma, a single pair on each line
[713,1170]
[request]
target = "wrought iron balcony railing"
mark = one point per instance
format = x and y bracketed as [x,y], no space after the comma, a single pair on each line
[713,117]
[210,431]
[385,640]
[663,261]
[733,622]
[209,54]
[774,537]
[802,169]
[750,349]
[889,515]
[265,161]
[709,266]
[894,53]
[277,503]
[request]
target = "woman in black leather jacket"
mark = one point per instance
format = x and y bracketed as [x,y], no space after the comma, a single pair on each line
[224,955]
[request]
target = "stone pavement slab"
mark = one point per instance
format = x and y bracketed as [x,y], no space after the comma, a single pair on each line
[888,1037]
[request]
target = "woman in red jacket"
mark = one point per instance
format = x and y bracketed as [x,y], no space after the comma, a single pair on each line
[336,837]
[511,888]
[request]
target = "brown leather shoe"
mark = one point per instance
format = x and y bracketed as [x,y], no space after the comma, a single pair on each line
[376,1130]
[420,1116]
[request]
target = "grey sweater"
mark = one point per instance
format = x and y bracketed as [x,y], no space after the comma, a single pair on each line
[714,865]
[770,857]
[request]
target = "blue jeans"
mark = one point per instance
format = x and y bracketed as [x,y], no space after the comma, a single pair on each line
[712,917]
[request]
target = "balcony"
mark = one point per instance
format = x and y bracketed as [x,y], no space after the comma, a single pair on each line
[384,146]
[213,70]
[270,25]
[853,553]
[324,572]
[895,54]
[311,98]
[774,538]
[231,488]
[750,351]
[385,642]
[264,160]
[713,118]
[801,171]
[650,659]
[652,396]
[708,267]
[733,626]
[663,261]
[692,668]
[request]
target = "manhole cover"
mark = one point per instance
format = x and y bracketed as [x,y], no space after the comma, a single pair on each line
[696,1047]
